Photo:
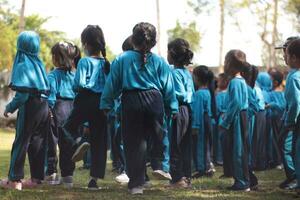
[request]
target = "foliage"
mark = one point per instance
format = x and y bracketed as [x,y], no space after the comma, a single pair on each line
[188,32]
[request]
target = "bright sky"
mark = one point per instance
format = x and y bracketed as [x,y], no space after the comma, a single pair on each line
[117,18]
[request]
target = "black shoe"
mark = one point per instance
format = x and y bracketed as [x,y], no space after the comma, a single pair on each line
[285,183]
[93,185]
[234,188]
[198,175]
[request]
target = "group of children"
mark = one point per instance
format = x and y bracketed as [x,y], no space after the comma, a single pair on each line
[151,111]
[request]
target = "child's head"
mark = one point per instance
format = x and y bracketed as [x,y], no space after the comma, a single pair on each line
[65,55]
[127,44]
[235,62]
[293,54]
[277,77]
[92,39]
[250,75]
[203,77]
[222,81]
[29,42]
[179,53]
[143,39]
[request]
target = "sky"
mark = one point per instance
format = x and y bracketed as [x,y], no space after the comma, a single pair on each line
[117,18]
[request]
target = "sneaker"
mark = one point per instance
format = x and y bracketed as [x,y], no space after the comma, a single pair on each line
[16,185]
[92,185]
[67,181]
[210,172]
[52,179]
[136,190]
[291,186]
[80,151]
[182,183]
[161,175]
[279,167]
[122,179]
[286,183]
[234,188]
[197,175]
[31,183]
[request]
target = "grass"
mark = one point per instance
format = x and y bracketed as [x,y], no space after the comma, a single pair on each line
[204,188]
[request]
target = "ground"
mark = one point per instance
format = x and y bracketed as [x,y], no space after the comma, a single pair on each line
[204,188]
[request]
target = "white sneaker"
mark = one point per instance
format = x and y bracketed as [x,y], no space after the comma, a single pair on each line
[80,152]
[161,175]
[67,181]
[136,190]
[122,179]
[52,179]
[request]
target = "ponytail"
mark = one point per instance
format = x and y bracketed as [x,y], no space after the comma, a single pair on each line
[106,63]
[211,87]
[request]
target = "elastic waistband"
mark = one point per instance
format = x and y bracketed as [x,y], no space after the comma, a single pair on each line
[137,90]
[64,98]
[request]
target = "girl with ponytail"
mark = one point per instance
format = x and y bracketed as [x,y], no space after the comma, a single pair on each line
[202,121]
[89,83]
[180,55]
[235,121]
[145,81]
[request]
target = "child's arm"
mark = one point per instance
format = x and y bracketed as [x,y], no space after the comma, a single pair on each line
[179,87]
[80,75]
[113,86]
[53,90]
[168,89]
[18,100]
[232,108]
[293,103]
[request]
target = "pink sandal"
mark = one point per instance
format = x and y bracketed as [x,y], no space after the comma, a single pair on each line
[7,184]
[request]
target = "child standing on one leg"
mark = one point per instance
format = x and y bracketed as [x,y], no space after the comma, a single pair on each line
[202,121]
[235,119]
[180,55]
[29,80]
[146,84]
[65,57]
[89,83]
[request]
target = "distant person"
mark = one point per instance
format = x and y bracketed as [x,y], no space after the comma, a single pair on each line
[29,80]
[65,57]
[180,55]
[89,83]
[202,121]
[235,120]
[146,84]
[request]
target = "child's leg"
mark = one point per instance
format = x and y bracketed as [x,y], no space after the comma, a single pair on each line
[98,141]
[288,160]
[52,141]
[227,152]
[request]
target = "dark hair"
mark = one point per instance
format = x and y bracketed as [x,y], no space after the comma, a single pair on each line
[127,44]
[93,37]
[144,39]
[225,81]
[204,76]
[180,52]
[276,75]
[235,61]
[66,55]
[250,75]
[294,48]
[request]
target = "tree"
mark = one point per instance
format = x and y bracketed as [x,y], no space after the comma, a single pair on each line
[188,32]
[293,7]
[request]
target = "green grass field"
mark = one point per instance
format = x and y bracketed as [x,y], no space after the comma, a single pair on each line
[205,188]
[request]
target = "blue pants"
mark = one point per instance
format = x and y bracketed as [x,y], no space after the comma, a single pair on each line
[287,152]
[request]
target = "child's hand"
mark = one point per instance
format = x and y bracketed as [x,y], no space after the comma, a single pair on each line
[6,114]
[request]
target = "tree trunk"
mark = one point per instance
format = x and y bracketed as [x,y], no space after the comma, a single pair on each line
[22,17]
[158,27]
[274,35]
[222,23]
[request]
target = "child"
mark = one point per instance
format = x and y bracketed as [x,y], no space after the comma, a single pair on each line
[276,107]
[180,55]
[292,96]
[250,76]
[29,80]
[146,84]
[287,139]
[222,145]
[235,119]
[89,83]
[61,79]
[202,121]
